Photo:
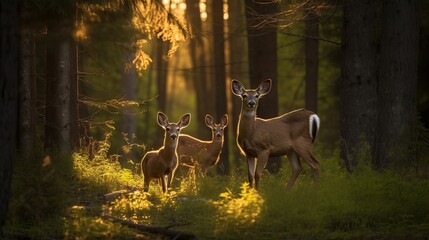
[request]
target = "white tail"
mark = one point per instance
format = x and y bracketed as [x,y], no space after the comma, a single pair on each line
[162,163]
[193,151]
[291,134]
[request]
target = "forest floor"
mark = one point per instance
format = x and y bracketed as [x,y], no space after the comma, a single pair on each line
[65,199]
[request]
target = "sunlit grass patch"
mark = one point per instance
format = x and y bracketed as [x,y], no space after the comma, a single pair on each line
[237,211]
[80,224]
[188,183]
[367,204]
[133,206]
[105,174]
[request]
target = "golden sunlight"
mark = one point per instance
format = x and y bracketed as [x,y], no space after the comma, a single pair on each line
[241,209]
[203,10]
[81,32]
[46,161]
[225,10]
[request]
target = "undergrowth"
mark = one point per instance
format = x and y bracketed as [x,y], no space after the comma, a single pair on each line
[55,199]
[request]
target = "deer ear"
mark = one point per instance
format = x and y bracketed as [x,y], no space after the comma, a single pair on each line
[264,87]
[209,121]
[162,119]
[184,120]
[237,87]
[224,120]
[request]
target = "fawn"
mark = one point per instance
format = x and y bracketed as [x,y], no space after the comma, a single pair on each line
[162,163]
[205,153]
[291,134]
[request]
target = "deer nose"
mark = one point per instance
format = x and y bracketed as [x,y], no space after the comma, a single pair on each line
[251,104]
[218,135]
[173,136]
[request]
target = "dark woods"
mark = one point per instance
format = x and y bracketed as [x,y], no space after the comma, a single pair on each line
[379,82]
[90,76]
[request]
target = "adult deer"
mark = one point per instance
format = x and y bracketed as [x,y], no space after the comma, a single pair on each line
[162,163]
[291,134]
[193,151]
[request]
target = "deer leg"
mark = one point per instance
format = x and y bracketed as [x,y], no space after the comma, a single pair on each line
[164,181]
[170,177]
[251,165]
[315,167]
[296,168]
[260,166]
[146,184]
[204,171]
[311,160]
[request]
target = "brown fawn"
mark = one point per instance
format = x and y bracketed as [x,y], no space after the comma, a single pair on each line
[291,134]
[162,163]
[193,151]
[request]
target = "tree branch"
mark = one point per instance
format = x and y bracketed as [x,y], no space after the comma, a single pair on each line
[173,234]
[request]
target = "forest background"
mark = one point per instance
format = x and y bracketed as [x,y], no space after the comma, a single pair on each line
[93,74]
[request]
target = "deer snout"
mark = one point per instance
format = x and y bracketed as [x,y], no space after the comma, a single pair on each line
[173,136]
[251,104]
[218,135]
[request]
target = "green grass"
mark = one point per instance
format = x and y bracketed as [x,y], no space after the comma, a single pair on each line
[52,202]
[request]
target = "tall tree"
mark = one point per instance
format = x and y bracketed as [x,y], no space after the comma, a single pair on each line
[208,43]
[85,138]
[129,84]
[397,83]
[311,57]
[161,73]
[27,83]
[129,91]
[262,50]
[237,61]
[9,58]
[220,76]
[161,80]
[198,64]
[359,78]
[61,81]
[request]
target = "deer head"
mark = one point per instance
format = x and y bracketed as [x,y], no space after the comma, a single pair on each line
[217,129]
[250,97]
[172,130]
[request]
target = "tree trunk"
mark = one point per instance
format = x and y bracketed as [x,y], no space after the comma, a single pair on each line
[9,71]
[397,84]
[129,83]
[27,88]
[61,87]
[207,47]
[311,59]
[129,119]
[198,66]
[85,138]
[262,50]
[148,114]
[161,80]
[220,77]
[359,79]
[74,96]
[238,65]
[161,74]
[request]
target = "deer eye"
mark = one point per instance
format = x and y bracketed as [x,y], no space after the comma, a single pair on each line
[168,129]
[244,96]
[257,96]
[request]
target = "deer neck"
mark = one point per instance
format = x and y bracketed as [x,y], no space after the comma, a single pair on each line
[246,123]
[170,147]
[216,144]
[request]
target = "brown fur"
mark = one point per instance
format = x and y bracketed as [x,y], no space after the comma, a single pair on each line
[287,134]
[193,151]
[162,163]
